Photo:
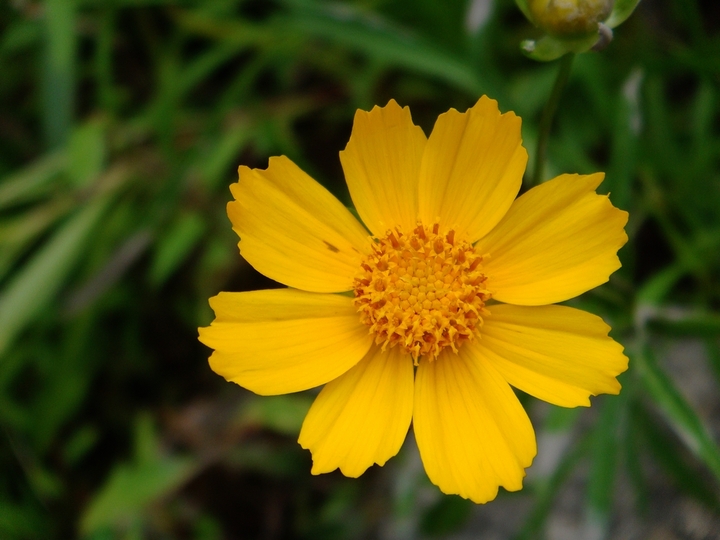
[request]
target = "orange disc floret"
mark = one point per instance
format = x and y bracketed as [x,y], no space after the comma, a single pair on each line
[423,291]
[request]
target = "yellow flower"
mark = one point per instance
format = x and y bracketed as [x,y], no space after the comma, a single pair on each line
[455,277]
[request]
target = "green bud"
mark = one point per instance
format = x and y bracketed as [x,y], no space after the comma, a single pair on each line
[569,18]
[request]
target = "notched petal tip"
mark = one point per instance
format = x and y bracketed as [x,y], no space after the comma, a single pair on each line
[565,356]
[557,241]
[472,168]
[472,432]
[391,106]
[202,335]
[286,220]
[381,162]
[362,417]
[283,340]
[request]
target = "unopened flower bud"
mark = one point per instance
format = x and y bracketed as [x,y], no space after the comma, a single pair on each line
[570,17]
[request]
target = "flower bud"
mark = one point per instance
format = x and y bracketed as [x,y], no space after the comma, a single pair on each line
[570,17]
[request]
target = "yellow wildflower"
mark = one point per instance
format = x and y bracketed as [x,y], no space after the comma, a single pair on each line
[456,277]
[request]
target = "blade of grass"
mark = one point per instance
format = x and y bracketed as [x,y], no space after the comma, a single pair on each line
[713,350]
[632,451]
[132,487]
[107,97]
[546,492]
[58,82]
[686,324]
[19,232]
[37,283]
[87,153]
[20,521]
[342,25]
[31,181]
[668,452]
[174,246]
[623,155]
[378,38]
[680,415]
[603,468]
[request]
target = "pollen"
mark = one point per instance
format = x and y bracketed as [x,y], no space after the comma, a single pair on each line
[422,291]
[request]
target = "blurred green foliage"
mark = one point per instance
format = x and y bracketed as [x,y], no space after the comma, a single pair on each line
[122,123]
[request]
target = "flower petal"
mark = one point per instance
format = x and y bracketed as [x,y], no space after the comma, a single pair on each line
[555,353]
[558,240]
[284,340]
[293,230]
[381,163]
[471,169]
[471,430]
[363,416]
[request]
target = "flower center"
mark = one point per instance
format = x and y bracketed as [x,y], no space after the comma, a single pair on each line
[423,291]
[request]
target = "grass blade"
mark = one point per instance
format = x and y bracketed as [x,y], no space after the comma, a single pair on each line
[59,71]
[380,40]
[40,279]
[681,416]
[31,181]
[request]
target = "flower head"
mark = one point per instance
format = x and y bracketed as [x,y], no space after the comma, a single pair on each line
[453,275]
[572,26]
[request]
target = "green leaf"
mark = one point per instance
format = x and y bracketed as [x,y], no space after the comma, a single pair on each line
[654,291]
[224,152]
[58,80]
[681,416]
[22,34]
[19,232]
[175,245]
[525,8]
[276,461]
[79,443]
[20,521]
[603,467]
[693,324]
[561,419]
[627,124]
[633,454]
[31,181]
[549,48]
[668,452]
[713,351]
[381,40]
[147,446]
[122,258]
[446,516]
[131,488]
[37,283]
[124,499]
[548,490]
[284,414]
[621,11]
[86,153]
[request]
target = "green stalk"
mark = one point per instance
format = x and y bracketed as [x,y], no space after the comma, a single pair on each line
[548,115]
[58,74]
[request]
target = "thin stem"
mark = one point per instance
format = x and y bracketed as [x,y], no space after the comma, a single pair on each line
[548,115]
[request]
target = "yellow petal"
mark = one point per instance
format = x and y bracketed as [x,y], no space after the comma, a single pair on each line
[362,417]
[471,169]
[293,230]
[471,430]
[556,353]
[381,164]
[284,340]
[558,240]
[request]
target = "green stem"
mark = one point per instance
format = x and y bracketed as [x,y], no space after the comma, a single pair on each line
[548,114]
